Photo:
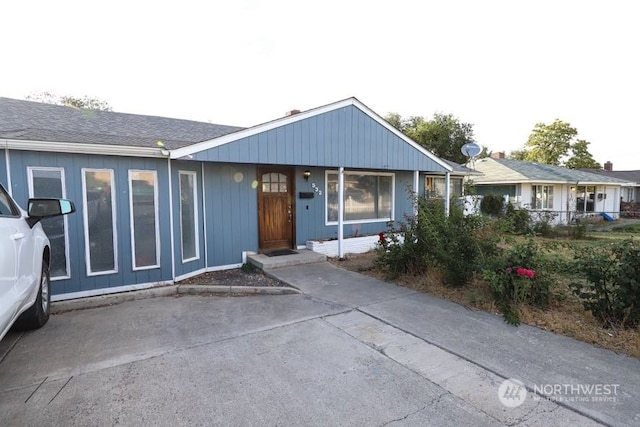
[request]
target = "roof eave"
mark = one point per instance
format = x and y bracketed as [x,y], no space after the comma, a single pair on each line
[82,148]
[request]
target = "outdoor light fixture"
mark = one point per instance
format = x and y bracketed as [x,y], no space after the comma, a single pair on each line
[306,175]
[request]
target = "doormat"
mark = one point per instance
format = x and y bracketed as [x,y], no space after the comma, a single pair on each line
[279,252]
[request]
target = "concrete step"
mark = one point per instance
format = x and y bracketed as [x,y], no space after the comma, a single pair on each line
[302,256]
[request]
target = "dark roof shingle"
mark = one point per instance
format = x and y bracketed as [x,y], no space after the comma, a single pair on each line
[28,120]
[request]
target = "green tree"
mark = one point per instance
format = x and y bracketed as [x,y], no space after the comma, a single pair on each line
[549,143]
[443,135]
[581,158]
[87,102]
[556,144]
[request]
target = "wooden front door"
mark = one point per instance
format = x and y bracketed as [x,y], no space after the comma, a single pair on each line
[276,216]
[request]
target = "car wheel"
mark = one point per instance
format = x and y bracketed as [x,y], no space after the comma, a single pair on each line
[38,314]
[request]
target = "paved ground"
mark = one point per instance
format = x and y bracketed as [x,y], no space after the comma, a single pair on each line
[350,350]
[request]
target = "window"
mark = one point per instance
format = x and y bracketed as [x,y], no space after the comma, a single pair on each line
[585,197]
[274,183]
[188,216]
[99,221]
[49,182]
[143,200]
[541,197]
[434,187]
[368,197]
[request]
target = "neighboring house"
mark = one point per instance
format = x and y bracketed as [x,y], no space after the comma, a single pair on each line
[630,190]
[555,191]
[162,199]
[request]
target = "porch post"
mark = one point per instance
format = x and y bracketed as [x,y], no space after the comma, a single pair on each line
[447,192]
[416,190]
[340,212]
[172,240]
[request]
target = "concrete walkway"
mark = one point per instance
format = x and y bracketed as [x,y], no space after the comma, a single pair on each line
[471,353]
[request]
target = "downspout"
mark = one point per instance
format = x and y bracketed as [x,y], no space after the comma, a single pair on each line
[340,212]
[447,192]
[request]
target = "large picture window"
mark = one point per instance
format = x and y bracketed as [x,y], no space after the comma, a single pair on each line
[188,215]
[143,200]
[368,197]
[99,221]
[49,182]
[542,197]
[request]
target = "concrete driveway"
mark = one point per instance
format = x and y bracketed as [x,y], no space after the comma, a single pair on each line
[326,357]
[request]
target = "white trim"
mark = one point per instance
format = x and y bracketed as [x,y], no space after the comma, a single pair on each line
[114,231]
[107,291]
[447,194]
[416,192]
[357,221]
[132,222]
[171,225]
[65,223]
[204,216]
[340,212]
[195,216]
[8,168]
[82,148]
[225,139]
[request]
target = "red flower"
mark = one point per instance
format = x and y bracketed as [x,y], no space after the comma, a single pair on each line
[381,236]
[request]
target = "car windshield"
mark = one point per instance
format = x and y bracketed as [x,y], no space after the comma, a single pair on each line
[7,207]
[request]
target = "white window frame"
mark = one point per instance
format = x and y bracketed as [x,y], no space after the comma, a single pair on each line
[545,190]
[87,242]
[195,215]
[156,219]
[453,181]
[30,170]
[359,221]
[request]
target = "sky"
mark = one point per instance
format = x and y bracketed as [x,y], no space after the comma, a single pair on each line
[502,66]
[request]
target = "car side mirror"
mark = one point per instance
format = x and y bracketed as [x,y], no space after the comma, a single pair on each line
[44,208]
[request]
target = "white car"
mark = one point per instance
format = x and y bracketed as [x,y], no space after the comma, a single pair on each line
[25,256]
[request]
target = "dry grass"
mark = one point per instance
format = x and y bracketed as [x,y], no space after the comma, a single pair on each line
[565,315]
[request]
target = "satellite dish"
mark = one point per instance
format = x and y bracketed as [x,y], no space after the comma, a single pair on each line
[471,149]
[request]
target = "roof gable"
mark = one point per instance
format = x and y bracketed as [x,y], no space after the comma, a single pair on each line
[345,133]
[516,171]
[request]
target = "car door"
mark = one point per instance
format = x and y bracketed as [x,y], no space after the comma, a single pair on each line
[16,244]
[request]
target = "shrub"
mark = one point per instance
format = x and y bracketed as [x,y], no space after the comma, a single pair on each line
[517,277]
[518,220]
[458,245]
[611,285]
[400,256]
[492,205]
[543,224]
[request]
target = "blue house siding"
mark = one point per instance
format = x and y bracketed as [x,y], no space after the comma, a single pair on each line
[343,137]
[184,268]
[73,164]
[231,212]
